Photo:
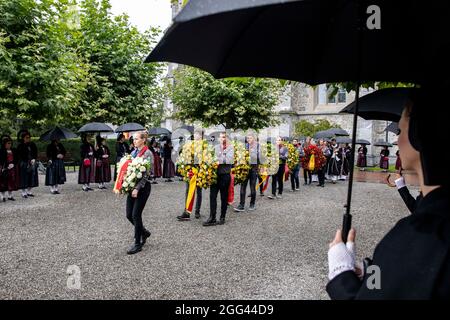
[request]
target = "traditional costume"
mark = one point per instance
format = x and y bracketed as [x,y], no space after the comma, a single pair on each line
[384,159]
[56,172]
[86,174]
[102,166]
[28,167]
[9,171]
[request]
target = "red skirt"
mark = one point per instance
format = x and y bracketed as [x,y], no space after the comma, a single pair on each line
[398,164]
[384,162]
[157,170]
[362,162]
[9,180]
[102,171]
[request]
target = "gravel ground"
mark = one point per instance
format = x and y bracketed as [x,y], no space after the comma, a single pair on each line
[278,251]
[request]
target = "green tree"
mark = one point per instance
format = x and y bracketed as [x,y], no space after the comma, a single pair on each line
[122,87]
[43,76]
[309,129]
[237,103]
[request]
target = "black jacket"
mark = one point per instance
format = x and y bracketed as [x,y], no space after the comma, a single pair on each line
[52,151]
[121,150]
[409,200]
[414,257]
[85,148]
[27,152]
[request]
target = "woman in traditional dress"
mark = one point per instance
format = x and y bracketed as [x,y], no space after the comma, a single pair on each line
[56,172]
[102,167]
[9,173]
[169,167]
[335,163]
[345,165]
[362,157]
[384,159]
[28,168]
[86,174]
[398,162]
[157,168]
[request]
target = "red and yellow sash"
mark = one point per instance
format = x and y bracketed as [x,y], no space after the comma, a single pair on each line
[191,192]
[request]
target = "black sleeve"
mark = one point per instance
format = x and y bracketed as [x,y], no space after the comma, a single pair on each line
[49,152]
[34,150]
[408,198]
[82,152]
[2,158]
[442,289]
[344,286]
[62,149]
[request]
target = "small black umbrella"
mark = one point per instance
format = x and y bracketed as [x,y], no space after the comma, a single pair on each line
[362,141]
[343,140]
[130,127]
[392,127]
[158,131]
[382,144]
[95,127]
[338,132]
[385,104]
[323,134]
[57,133]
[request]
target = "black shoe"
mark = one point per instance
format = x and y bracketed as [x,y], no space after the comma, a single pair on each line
[145,235]
[57,192]
[184,217]
[10,198]
[4,199]
[197,215]
[261,194]
[252,207]
[222,221]
[239,208]
[305,184]
[24,196]
[135,248]
[30,194]
[89,189]
[210,222]
[85,189]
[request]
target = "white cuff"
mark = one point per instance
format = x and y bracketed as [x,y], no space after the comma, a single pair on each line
[400,183]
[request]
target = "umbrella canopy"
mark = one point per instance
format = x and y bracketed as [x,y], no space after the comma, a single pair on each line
[362,141]
[393,127]
[159,131]
[343,140]
[382,144]
[323,134]
[95,127]
[130,127]
[236,38]
[385,104]
[338,132]
[188,128]
[57,133]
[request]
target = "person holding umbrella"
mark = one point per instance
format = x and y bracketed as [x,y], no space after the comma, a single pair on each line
[384,158]
[414,257]
[55,174]
[9,172]
[102,166]
[86,173]
[28,169]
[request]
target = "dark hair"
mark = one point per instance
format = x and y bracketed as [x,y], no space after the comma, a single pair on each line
[120,136]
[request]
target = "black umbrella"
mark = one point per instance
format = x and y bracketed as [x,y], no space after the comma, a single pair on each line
[188,128]
[362,141]
[57,133]
[323,134]
[238,38]
[385,104]
[382,144]
[95,127]
[337,132]
[158,131]
[343,140]
[130,127]
[392,127]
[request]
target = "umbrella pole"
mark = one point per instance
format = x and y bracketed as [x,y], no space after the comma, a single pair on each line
[347,220]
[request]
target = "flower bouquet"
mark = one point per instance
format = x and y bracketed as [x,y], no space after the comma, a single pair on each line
[129,171]
[293,156]
[313,159]
[241,166]
[269,160]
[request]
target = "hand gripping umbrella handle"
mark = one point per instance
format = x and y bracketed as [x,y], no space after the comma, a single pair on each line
[346,226]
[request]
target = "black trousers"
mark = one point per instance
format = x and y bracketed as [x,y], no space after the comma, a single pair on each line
[295,180]
[278,178]
[252,177]
[321,175]
[135,206]
[307,174]
[198,197]
[222,185]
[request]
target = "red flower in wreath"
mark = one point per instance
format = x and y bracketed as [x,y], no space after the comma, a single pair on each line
[319,158]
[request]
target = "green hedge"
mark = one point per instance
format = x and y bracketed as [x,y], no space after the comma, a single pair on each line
[72,147]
